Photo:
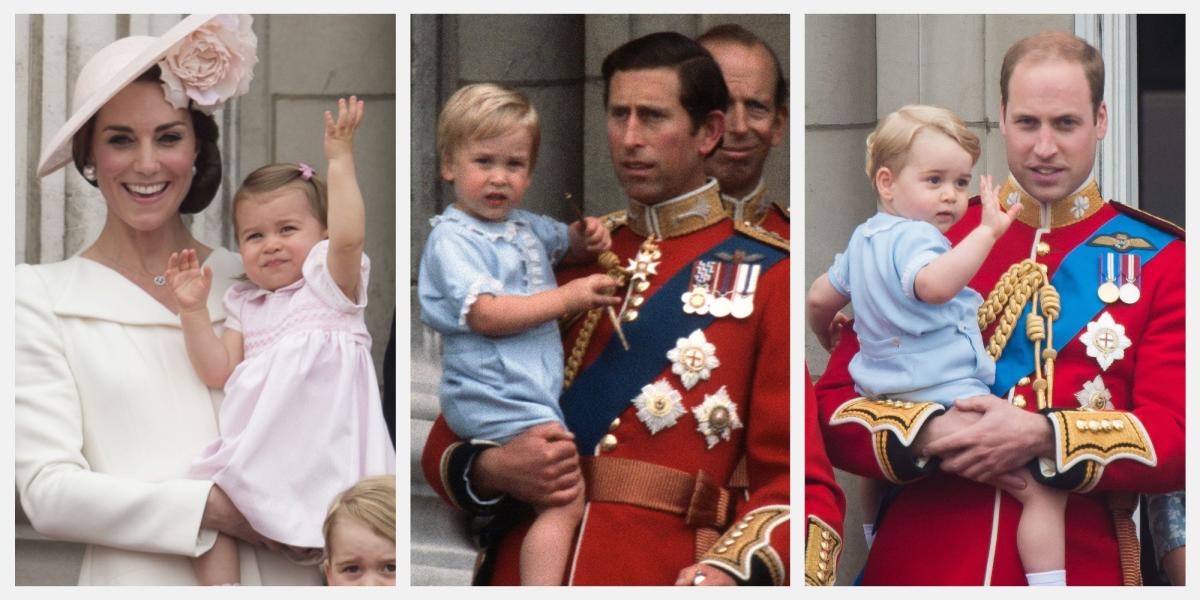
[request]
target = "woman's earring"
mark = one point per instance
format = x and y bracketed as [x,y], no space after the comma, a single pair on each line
[193,170]
[89,172]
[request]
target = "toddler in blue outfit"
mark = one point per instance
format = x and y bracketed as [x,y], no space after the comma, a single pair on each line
[915,317]
[486,284]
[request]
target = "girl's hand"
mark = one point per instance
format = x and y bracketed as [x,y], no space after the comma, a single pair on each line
[593,236]
[589,292]
[339,134]
[188,282]
[994,217]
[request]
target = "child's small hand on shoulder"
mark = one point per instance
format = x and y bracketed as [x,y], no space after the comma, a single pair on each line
[995,218]
[589,292]
[188,282]
[339,133]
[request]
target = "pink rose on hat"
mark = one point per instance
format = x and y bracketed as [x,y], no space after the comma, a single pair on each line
[211,64]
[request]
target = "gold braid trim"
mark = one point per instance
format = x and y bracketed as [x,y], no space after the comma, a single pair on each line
[1024,282]
[1006,301]
[747,538]
[1102,437]
[822,546]
[610,261]
[901,417]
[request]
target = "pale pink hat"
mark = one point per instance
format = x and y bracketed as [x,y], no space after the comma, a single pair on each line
[205,60]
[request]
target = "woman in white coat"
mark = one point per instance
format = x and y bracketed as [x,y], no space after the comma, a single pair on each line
[109,412]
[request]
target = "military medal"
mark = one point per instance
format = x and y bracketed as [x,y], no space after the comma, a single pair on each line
[698,299]
[1131,276]
[1108,290]
[693,358]
[1094,395]
[717,417]
[659,406]
[743,291]
[1105,340]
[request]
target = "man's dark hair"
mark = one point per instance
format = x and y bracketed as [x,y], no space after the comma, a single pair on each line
[732,33]
[701,84]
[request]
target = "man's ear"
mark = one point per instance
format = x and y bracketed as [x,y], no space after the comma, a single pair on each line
[780,125]
[883,183]
[1101,121]
[710,132]
[1003,127]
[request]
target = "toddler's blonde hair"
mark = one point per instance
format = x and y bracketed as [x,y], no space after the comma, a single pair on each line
[483,111]
[889,145]
[371,502]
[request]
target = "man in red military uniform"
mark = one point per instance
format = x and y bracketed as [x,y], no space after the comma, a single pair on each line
[823,500]
[754,124]
[1086,320]
[684,436]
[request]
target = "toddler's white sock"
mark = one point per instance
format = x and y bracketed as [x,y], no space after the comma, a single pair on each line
[1058,577]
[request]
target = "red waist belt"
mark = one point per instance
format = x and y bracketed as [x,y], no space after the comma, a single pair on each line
[705,506]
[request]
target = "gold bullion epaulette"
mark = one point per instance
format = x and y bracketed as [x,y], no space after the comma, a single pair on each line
[901,417]
[1099,436]
[822,547]
[750,536]
[767,237]
[1149,219]
[614,220]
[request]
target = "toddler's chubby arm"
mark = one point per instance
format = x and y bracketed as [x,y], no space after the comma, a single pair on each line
[824,302]
[505,315]
[587,239]
[213,358]
[949,273]
[347,217]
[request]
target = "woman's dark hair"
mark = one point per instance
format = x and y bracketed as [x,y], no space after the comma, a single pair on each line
[208,156]
[701,84]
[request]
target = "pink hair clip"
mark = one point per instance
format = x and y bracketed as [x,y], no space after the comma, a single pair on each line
[306,172]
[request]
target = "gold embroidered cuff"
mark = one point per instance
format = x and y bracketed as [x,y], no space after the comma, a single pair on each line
[822,547]
[1099,436]
[901,417]
[750,536]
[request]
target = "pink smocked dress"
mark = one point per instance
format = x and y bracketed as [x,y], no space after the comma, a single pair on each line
[301,420]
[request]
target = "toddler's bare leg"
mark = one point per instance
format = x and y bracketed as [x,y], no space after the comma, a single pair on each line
[1041,533]
[547,546]
[219,566]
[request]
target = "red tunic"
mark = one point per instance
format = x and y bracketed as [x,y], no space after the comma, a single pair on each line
[824,501]
[624,544]
[938,529]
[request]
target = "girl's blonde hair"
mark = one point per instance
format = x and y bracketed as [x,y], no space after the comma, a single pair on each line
[483,111]
[371,502]
[275,176]
[889,144]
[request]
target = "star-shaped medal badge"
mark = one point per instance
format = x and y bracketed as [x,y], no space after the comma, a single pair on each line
[717,417]
[1012,198]
[1094,395]
[1105,340]
[693,358]
[659,406]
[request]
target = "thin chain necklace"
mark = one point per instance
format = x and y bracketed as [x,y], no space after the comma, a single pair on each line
[159,280]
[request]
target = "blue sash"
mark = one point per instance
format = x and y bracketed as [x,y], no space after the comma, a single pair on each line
[606,388]
[1076,281]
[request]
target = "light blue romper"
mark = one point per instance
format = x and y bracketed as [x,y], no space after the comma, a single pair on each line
[493,388]
[910,350]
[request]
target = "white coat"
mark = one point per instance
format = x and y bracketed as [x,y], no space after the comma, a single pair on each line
[109,413]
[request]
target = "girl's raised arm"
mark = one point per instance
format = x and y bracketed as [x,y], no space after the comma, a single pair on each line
[347,217]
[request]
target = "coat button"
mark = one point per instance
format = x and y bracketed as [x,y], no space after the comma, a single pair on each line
[615,424]
[608,442]
[1019,401]
[1043,249]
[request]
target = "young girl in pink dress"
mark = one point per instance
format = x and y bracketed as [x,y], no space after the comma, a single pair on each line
[301,420]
